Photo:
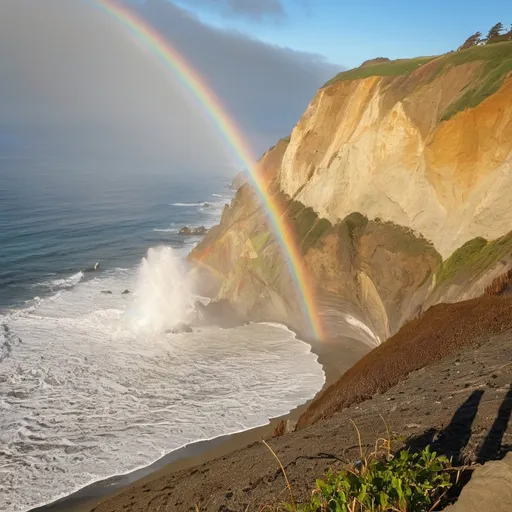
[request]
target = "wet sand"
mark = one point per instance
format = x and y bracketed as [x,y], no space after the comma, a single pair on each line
[335,356]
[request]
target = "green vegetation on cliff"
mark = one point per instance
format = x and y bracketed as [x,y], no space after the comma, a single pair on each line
[475,256]
[406,482]
[391,68]
[307,226]
[495,60]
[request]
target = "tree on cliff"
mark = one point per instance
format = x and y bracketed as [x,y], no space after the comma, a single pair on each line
[495,32]
[471,41]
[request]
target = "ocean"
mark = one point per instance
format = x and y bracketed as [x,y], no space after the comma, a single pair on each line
[95,380]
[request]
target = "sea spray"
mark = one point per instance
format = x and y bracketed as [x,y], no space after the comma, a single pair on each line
[163,298]
[85,396]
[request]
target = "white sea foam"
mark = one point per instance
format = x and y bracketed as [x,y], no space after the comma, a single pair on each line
[61,283]
[92,385]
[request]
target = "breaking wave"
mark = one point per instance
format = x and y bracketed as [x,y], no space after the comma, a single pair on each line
[94,383]
[61,283]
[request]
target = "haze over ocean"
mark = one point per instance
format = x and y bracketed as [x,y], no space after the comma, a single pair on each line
[59,217]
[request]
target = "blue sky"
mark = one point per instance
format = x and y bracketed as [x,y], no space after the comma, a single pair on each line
[348,33]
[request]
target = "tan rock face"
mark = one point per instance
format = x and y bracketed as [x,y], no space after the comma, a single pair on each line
[378,146]
[423,187]
[369,276]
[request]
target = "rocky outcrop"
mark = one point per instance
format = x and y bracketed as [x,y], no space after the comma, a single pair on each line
[239,180]
[397,148]
[396,184]
[185,230]
[371,275]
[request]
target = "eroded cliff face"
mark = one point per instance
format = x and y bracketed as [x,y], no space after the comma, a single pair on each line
[379,146]
[370,276]
[384,177]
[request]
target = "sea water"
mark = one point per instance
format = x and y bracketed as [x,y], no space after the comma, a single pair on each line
[96,382]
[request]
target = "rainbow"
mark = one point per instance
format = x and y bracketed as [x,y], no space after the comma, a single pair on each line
[227,127]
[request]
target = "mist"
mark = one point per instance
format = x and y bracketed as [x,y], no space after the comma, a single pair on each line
[74,82]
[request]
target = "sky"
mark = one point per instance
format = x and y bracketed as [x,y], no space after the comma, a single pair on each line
[72,78]
[348,33]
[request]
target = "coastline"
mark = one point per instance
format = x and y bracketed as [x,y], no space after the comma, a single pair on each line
[335,356]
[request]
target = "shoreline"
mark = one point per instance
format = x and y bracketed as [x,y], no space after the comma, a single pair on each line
[335,357]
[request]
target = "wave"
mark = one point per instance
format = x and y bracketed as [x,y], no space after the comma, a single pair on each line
[89,350]
[165,230]
[203,204]
[61,283]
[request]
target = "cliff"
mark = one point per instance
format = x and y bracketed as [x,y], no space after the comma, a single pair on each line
[429,149]
[397,182]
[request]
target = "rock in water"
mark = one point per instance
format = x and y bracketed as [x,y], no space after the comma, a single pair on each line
[106,292]
[179,329]
[185,230]
[126,292]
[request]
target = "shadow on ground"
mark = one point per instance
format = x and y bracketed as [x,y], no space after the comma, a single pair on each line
[452,440]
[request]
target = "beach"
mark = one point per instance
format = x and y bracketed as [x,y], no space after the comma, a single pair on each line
[335,356]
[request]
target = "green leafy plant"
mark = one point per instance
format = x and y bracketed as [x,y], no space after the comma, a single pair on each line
[409,482]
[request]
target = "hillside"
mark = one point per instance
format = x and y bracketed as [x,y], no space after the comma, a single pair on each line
[460,405]
[424,143]
[397,183]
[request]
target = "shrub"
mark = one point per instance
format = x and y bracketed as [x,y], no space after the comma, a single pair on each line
[409,482]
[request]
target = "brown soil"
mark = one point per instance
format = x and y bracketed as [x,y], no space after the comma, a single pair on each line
[461,404]
[443,330]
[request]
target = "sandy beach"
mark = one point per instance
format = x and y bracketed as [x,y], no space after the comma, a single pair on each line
[335,356]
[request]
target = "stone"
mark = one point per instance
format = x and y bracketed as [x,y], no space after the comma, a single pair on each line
[201,230]
[180,328]
[490,488]
[185,230]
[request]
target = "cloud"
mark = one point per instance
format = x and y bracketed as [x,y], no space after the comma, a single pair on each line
[74,74]
[250,9]
[266,88]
